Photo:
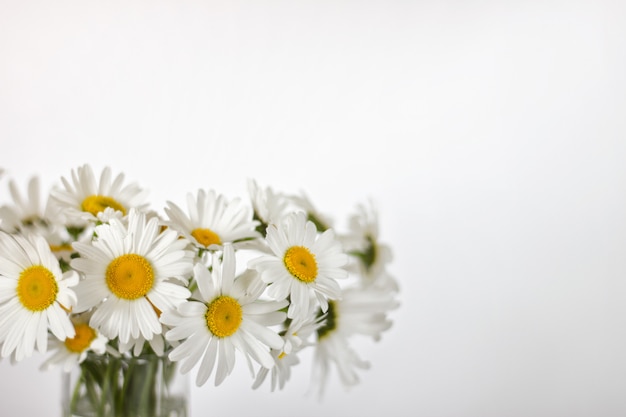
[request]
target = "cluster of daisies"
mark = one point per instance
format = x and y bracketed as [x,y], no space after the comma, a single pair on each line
[93,270]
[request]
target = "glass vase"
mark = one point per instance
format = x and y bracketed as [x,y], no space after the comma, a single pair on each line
[143,386]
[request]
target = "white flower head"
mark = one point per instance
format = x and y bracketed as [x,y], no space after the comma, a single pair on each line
[280,373]
[303,202]
[26,216]
[269,206]
[84,197]
[302,263]
[228,317]
[335,351]
[35,296]
[132,273]
[73,350]
[26,212]
[212,220]
[360,311]
[371,256]
[296,337]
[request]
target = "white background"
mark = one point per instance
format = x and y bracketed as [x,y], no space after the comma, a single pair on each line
[491,135]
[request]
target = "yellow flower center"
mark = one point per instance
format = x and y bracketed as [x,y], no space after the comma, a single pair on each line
[61,248]
[37,288]
[130,276]
[95,204]
[206,237]
[300,263]
[83,338]
[223,316]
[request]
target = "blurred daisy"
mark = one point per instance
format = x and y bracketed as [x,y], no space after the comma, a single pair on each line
[302,263]
[371,255]
[212,220]
[269,207]
[35,296]
[335,351]
[280,373]
[230,316]
[303,202]
[295,338]
[73,350]
[127,272]
[84,198]
[26,211]
[26,215]
[360,311]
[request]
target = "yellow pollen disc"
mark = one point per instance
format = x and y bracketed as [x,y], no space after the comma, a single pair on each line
[60,248]
[36,288]
[223,316]
[95,204]
[301,263]
[206,237]
[130,276]
[83,338]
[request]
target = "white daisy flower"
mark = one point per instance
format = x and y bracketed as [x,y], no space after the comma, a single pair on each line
[35,296]
[269,207]
[230,316]
[295,338]
[360,311]
[73,350]
[303,202]
[26,215]
[336,351]
[128,272]
[299,330]
[212,220]
[302,263]
[363,311]
[26,211]
[280,373]
[84,197]
[370,254]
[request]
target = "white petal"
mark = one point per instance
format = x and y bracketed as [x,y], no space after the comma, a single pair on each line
[226,361]
[263,334]
[208,361]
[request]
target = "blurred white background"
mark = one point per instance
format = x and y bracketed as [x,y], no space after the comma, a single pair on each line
[490,133]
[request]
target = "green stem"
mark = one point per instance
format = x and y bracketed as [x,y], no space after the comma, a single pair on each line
[123,405]
[123,387]
[107,392]
[76,392]
[148,395]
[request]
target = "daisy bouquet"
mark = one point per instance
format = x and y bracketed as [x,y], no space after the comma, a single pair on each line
[127,298]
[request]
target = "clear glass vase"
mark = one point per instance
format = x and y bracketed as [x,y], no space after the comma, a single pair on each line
[144,386]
